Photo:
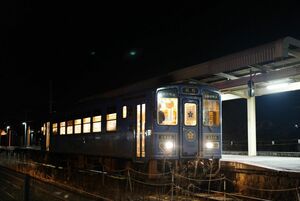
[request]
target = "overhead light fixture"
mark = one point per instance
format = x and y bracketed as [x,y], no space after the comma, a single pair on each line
[277,86]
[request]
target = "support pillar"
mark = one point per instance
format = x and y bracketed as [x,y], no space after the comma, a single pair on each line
[251,126]
[9,137]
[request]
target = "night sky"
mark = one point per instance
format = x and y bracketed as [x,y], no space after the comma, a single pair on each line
[87,48]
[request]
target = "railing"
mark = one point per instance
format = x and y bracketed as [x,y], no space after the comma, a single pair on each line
[276,145]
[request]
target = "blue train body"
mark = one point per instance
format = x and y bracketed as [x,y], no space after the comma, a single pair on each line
[176,122]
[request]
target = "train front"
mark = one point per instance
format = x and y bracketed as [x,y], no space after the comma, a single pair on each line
[187,124]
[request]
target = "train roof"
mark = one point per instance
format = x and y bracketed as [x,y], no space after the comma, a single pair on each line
[132,90]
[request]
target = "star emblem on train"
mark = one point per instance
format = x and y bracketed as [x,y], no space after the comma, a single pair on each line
[190,114]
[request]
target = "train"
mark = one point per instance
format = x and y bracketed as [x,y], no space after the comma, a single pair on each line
[179,124]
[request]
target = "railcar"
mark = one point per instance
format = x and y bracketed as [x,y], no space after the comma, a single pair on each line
[179,123]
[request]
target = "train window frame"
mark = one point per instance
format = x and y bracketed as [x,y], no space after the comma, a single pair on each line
[62,127]
[86,125]
[163,110]
[211,100]
[189,114]
[54,128]
[97,123]
[111,118]
[77,126]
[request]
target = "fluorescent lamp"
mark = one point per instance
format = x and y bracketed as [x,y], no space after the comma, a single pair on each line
[277,86]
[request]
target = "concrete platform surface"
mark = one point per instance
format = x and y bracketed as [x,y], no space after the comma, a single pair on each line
[285,164]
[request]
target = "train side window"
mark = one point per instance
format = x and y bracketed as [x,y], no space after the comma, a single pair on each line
[87,125]
[97,123]
[70,127]
[190,114]
[54,128]
[111,122]
[62,128]
[167,107]
[124,112]
[77,127]
[211,110]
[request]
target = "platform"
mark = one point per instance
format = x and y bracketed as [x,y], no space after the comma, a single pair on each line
[284,164]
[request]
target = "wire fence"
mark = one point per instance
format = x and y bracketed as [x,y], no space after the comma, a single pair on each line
[137,185]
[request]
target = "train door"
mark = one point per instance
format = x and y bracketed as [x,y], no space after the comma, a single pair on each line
[140,138]
[190,132]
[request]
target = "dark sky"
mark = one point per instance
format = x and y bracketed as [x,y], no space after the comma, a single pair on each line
[84,48]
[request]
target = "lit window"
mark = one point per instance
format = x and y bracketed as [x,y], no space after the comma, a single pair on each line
[62,129]
[97,123]
[54,128]
[44,129]
[167,107]
[211,110]
[124,112]
[77,123]
[111,124]
[190,114]
[70,127]
[87,125]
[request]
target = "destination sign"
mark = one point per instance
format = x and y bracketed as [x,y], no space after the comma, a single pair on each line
[190,90]
[211,96]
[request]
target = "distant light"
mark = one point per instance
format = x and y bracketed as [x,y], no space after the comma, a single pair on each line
[132,53]
[24,123]
[93,53]
[8,127]
[277,86]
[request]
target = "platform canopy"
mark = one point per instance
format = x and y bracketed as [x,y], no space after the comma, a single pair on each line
[268,64]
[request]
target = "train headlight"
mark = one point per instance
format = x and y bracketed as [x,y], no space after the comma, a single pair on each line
[169,146]
[209,145]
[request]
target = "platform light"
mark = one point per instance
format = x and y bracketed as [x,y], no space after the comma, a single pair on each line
[277,86]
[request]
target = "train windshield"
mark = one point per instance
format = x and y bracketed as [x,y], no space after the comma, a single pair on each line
[211,109]
[167,107]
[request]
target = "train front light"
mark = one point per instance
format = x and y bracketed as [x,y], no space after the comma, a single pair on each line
[209,145]
[169,146]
